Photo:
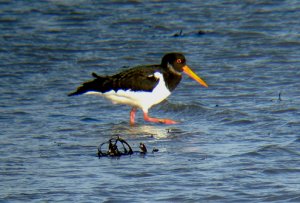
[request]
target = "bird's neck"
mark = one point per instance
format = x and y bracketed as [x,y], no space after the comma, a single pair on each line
[172,79]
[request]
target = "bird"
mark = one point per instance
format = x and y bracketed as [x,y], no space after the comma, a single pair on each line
[143,86]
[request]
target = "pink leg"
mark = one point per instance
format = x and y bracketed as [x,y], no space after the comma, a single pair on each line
[158,120]
[132,115]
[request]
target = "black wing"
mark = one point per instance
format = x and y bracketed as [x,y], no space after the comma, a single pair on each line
[140,78]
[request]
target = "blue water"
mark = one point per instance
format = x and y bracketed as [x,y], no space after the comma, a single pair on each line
[238,140]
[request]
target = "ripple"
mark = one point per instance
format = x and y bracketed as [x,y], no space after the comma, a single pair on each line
[287,110]
[276,149]
[251,154]
[240,122]
[281,170]
[90,120]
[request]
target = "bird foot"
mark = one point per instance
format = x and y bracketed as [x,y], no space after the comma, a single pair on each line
[150,119]
[159,120]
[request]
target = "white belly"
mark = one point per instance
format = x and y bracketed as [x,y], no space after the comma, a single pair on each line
[143,100]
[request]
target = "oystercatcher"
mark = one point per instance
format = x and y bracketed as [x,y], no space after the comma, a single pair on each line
[141,86]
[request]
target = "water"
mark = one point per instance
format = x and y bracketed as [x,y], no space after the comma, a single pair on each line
[237,140]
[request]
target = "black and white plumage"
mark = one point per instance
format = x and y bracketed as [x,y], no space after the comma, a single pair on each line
[141,86]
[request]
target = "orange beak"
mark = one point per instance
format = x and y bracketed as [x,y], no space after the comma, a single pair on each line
[193,75]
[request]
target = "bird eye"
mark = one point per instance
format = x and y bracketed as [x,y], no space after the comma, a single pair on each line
[178,61]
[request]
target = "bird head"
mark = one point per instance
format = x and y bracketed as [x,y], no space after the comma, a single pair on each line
[176,63]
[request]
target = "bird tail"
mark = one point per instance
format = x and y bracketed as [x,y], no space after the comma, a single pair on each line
[93,85]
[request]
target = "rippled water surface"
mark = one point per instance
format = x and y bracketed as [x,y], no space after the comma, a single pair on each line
[238,140]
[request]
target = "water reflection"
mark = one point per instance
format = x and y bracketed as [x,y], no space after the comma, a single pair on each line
[142,131]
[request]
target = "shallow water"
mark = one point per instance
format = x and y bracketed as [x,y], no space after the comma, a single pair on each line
[238,140]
